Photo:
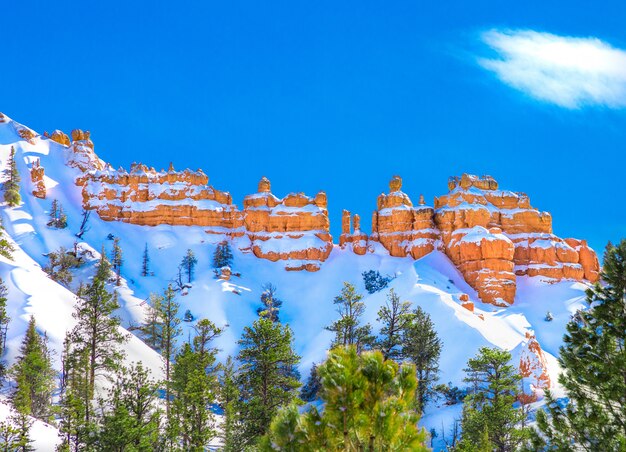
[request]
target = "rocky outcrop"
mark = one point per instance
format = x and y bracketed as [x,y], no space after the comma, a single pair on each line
[357,239]
[148,197]
[37,178]
[3,118]
[81,154]
[25,133]
[402,228]
[533,368]
[294,229]
[61,138]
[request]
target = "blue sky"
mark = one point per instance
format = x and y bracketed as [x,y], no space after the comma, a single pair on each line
[340,96]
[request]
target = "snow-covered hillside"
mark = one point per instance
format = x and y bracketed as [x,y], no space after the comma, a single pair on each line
[432,282]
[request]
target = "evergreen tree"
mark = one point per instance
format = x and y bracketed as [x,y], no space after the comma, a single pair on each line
[395,317]
[593,359]
[188,264]
[97,331]
[60,265]
[131,418]
[223,256]
[368,405]
[145,262]
[4,324]
[58,218]
[271,303]
[311,388]
[15,434]
[266,375]
[76,430]
[6,247]
[117,259]
[488,410]
[229,395]
[194,388]
[374,281]
[422,347]
[152,328]
[348,329]
[170,330]
[34,375]
[12,183]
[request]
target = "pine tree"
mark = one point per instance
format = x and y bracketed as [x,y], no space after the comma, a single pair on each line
[12,183]
[34,375]
[194,388]
[117,260]
[229,395]
[348,329]
[152,328]
[57,216]
[15,433]
[266,375]
[422,347]
[311,387]
[488,407]
[168,315]
[97,332]
[593,359]
[189,263]
[271,303]
[131,417]
[76,429]
[223,256]
[6,247]
[368,405]
[395,317]
[4,324]
[60,265]
[145,262]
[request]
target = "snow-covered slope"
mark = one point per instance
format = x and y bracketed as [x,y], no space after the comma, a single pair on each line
[432,282]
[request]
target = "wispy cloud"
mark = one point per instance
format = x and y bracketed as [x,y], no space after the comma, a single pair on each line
[567,71]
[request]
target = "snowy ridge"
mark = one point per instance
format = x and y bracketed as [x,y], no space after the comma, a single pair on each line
[432,282]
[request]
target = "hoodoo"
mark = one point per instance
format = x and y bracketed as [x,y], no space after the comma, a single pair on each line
[491,235]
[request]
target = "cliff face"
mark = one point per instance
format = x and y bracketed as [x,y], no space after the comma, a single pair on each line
[491,235]
[294,229]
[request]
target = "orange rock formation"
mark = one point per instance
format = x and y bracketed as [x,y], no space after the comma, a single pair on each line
[294,229]
[357,240]
[533,368]
[401,228]
[36,177]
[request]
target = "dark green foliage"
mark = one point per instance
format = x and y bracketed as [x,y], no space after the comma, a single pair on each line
[422,347]
[4,324]
[130,419]
[188,317]
[188,264]
[12,183]
[97,332]
[223,256]
[490,421]
[15,434]
[152,329]
[6,247]
[229,394]
[117,259]
[60,264]
[271,303]
[368,405]
[167,311]
[58,218]
[145,262]
[193,389]
[395,317]
[348,329]
[374,281]
[266,378]
[452,394]
[593,359]
[34,375]
[311,388]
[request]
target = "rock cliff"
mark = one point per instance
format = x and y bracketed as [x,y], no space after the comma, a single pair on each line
[294,229]
[37,178]
[491,235]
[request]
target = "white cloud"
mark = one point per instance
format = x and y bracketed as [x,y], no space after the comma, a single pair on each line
[567,71]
